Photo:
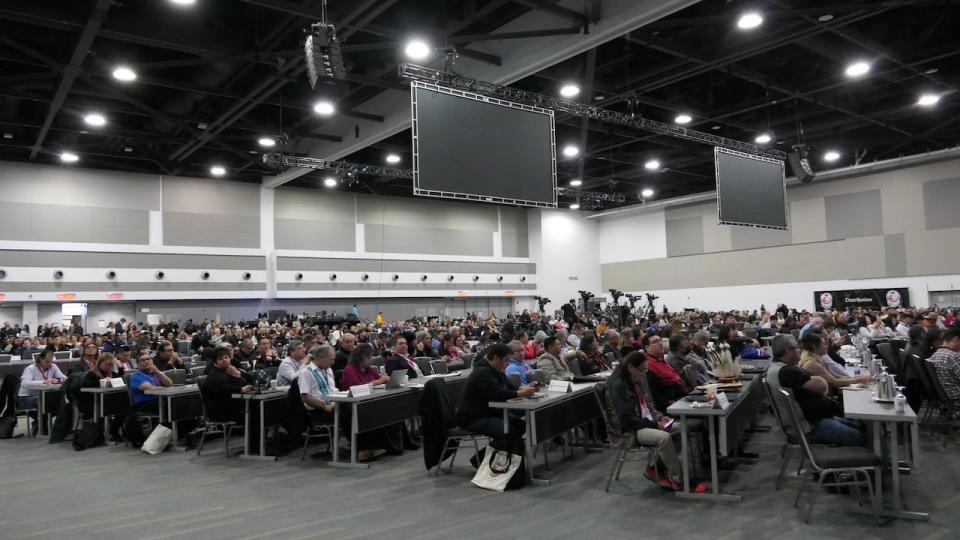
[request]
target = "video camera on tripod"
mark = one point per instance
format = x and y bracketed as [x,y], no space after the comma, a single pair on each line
[541,302]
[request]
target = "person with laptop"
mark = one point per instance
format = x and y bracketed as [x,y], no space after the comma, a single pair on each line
[401,360]
[42,371]
[359,371]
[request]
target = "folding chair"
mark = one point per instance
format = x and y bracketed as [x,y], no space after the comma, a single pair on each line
[623,444]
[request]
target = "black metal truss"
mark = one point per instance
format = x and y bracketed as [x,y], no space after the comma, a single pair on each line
[343,169]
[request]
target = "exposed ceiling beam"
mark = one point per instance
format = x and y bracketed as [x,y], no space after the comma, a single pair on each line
[72,70]
[549,7]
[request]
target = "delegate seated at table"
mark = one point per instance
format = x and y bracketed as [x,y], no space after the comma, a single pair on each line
[401,360]
[42,371]
[359,371]
[390,439]
[634,410]
[665,384]
[107,367]
[291,366]
[221,383]
[147,377]
[487,383]
[825,415]
[814,347]
[316,382]
[551,363]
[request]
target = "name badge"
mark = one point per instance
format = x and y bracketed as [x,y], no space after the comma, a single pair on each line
[722,402]
[558,385]
[360,390]
[117,382]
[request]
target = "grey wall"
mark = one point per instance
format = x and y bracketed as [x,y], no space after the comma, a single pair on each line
[214,213]
[314,219]
[890,224]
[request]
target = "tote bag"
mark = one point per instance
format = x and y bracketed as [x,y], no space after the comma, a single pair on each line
[158,440]
[496,470]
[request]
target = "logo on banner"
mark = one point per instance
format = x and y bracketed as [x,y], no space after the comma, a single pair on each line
[826,300]
[893,298]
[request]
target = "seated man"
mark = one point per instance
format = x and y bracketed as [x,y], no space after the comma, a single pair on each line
[167,358]
[316,382]
[810,392]
[946,359]
[42,371]
[265,356]
[665,385]
[290,367]
[424,345]
[146,377]
[348,342]
[633,411]
[221,383]
[611,349]
[400,360]
[488,383]
[811,360]
[678,358]
[551,362]
[516,365]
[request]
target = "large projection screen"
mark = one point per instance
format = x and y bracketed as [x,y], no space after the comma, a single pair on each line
[751,190]
[474,147]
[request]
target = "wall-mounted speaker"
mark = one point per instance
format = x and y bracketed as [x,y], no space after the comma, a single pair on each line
[476,278]
[58,274]
[204,275]
[499,278]
[450,277]
[298,276]
[247,276]
[333,277]
[159,274]
[3,274]
[523,278]
[111,275]
[365,277]
[396,277]
[423,277]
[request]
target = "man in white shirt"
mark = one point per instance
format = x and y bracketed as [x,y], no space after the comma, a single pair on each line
[39,373]
[573,339]
[290,368]
[316,382]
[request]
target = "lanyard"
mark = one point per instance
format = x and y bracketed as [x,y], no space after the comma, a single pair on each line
[324,390]
[43,373]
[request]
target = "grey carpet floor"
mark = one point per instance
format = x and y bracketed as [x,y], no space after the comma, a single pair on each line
[50,491]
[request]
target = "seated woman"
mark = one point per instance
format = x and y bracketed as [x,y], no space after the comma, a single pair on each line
[529,349]
[359,371]
[106,368]
[88,360]
[814,347]
[390,439]
[591,359]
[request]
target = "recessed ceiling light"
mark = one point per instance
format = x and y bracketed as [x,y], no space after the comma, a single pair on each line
[8,135]
[857,69]
[647,193]
[825,18]
[763,138]
[330,181]
[69,157]
[183,2]
[928,100]
[749,20]
[570,151]
[599,97]
[575,206]
[128,149]
[417,49]
[393,159]
[715,127]
[832,155]
[323,108]
[267,142]
[683,118]
[576,182]
[931,71]
[124,73]
[95,119]
[217,170]
[202,125]
[570,90]
[652,165]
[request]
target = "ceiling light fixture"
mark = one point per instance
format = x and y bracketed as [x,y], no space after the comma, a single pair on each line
[647,193]
[417,49]
[124,73]
[652,165]
[575,206]
[95,119]
[763,138]
[69,157]
[323,108]
[857,69]
[576,182]
[825,17]
[928,100]
[267,142]
[569,90]
[217,170]
[570,151]
[832,155]
[749,20]
[183,2]
[393,159]
[330,182]
[683,118]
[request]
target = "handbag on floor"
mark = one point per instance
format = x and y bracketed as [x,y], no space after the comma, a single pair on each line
[158,440]
[90,434]
[497,470]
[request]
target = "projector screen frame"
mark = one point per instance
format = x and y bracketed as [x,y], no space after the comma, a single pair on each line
[717,150]
[417,190]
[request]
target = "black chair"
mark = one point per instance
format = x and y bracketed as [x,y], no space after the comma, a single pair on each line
[791,446]
[889,358]
[623,444]
[438,367]
[947,409]
[423,362]
[514,378]
[468,360]
[213,427]
[378,361]
[838,462]
[455,434]
[536,375]
[178,376]
[573,360]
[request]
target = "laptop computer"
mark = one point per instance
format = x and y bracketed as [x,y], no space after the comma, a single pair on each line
[5,358]
[397,378]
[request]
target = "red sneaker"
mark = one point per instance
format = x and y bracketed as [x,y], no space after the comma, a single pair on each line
[667,483]
[700,487]
[651,475]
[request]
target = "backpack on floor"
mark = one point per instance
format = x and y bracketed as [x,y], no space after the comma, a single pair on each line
[132,431]
[90,434]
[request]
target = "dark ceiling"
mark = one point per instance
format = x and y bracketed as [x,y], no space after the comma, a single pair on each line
[216,76]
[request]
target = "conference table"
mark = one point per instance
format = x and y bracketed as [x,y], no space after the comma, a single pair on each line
[107,402]
[271,408]
[724,426]
[178,402]
[550,416]
[49,397]
[385,407]
[860,405]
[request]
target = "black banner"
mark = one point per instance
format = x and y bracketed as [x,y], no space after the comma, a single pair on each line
[863,298]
